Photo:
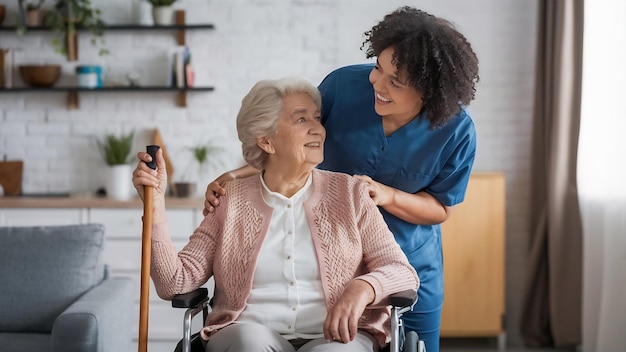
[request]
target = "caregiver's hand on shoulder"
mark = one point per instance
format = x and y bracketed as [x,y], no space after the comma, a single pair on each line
[214,191]
[381,194]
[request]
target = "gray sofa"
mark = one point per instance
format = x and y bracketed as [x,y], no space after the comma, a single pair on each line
[55,293]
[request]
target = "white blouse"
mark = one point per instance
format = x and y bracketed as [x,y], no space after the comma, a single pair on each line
[287,294]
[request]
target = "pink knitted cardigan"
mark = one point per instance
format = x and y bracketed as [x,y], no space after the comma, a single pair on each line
[350,236]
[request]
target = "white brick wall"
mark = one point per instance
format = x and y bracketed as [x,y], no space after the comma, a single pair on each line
[256,39]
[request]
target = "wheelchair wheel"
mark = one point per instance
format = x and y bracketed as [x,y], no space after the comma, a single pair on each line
[410,341]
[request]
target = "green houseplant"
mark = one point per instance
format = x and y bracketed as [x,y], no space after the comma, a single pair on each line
[197,169]
[115,152]
[116,149]
[67,16]
[201,158]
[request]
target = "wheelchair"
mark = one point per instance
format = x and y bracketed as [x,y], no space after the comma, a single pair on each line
[198,301]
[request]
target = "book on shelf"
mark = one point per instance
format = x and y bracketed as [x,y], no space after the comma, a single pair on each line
[181,70]
[189,75]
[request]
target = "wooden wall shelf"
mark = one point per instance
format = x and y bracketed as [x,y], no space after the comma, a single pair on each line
[73,92]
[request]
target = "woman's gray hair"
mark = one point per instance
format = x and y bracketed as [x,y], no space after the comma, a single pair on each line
[260,109]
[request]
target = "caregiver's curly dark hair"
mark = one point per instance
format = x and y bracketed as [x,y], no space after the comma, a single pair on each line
[439,61]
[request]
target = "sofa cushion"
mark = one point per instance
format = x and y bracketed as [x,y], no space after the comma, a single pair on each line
[43,270]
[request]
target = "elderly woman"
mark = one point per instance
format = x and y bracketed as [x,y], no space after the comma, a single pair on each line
[302,258]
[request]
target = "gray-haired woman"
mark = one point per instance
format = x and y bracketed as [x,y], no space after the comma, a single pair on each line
[297,253]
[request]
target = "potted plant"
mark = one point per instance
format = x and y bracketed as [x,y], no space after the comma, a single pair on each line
[197,169]
[115,152]
[162,12]
[67,16]
[31,13]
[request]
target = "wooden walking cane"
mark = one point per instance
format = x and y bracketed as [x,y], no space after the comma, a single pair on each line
[146,251]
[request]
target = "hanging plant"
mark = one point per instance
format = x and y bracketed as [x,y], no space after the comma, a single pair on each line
[68,15]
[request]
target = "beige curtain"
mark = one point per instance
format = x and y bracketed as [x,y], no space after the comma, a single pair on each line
[551,313]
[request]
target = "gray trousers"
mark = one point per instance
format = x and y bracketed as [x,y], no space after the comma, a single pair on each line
[250,337]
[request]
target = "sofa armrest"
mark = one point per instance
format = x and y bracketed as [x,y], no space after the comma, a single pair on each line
[100,320]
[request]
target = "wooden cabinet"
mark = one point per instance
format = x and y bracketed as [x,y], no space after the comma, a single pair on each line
[473,252]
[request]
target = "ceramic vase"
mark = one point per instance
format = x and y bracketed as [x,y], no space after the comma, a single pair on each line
[163,15]
[142,11]
[119,182]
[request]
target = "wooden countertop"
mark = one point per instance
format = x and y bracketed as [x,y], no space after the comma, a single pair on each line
[92,202]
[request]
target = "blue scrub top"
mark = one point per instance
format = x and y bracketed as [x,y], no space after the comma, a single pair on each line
[414,158]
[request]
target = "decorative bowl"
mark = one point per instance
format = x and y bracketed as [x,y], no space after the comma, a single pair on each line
[40,75]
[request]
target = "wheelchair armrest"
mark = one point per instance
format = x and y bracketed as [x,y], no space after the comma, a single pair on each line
[403,299]
[190,299]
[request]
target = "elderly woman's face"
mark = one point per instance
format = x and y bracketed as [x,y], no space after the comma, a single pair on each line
[299,139]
